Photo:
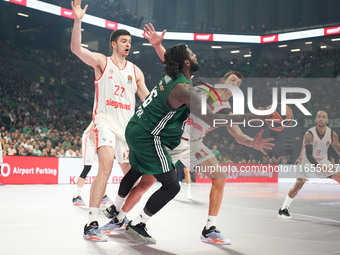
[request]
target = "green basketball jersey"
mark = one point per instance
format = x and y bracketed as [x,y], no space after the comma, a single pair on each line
[157,118]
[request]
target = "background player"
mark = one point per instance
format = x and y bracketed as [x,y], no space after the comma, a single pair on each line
[314,158]
[89,152]
[116,82]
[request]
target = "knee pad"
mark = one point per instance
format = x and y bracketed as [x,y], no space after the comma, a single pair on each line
[85,171]
[172,188]
[128,181]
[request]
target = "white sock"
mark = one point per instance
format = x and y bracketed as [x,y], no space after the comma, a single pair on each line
[287,203]
[189,190]
[78,191]
[121,215]
[211,221]
[93,214]
[119,203]
[142,217]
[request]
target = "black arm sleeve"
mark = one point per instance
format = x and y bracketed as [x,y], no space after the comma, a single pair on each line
[332,153]
[309,154]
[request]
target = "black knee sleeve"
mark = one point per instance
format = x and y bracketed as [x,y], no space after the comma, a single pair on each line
[170,188]
[85,171]
[128,181]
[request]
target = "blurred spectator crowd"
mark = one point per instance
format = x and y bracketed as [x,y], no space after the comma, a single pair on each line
[38,120]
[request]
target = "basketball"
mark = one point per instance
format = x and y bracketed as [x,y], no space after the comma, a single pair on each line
[277,122]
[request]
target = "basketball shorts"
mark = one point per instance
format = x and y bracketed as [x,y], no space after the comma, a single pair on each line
[325,169]
[88,149]
[192,154]
[147,153]
[105,136]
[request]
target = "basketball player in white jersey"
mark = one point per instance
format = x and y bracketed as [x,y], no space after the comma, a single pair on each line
[314,159]
[88,152]
[116,82]
[2,153]
[192,152]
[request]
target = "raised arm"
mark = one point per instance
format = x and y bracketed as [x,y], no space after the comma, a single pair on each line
[96,60]
[155,39]
[183,93]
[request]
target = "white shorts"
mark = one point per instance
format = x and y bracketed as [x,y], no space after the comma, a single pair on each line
[191,154]
[105,136]
[88,149]
[325,169]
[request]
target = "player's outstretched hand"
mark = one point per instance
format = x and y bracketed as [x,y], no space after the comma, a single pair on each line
[152,36]
[78,12]
[262,144]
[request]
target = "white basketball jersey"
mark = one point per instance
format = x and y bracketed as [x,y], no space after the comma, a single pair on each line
[114,102]
[320,145]
[195,128]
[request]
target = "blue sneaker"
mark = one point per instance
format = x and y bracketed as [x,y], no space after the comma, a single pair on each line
[106,200]
[212,235]
[111,225]
[78,201]
[93,233]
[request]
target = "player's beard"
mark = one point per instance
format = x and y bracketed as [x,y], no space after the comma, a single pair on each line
[194,66]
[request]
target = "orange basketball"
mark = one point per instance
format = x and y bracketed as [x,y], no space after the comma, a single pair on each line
[278,123]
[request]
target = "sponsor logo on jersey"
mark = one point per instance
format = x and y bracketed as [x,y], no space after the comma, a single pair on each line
[194,124]
[111,71]
[129,79]
[198,155]
[119,105]
[161,87]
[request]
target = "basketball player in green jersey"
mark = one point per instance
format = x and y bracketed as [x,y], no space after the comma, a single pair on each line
[157,125]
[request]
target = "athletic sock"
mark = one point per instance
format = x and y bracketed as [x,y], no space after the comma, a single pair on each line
[121,215]
[188,185]
[211,221]
[78,191]
[142,217]
[287,203]
[93,214]
[119,202]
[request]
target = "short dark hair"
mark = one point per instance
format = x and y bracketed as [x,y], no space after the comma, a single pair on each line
[239,75]
[174,59]
[115,34]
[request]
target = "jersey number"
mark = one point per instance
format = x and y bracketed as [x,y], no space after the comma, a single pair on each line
[117,89]
[148,100]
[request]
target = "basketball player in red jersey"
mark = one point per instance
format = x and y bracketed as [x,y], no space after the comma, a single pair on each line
[116,82]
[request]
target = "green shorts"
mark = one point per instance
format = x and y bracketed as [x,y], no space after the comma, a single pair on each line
[147,153]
